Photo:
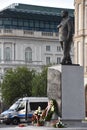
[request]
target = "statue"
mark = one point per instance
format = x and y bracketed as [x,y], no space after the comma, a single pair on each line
[65,36]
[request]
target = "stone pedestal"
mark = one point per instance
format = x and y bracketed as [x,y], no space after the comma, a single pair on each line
[66,85]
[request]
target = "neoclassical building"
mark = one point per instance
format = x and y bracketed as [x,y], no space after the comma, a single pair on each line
[80,37]
[29,36]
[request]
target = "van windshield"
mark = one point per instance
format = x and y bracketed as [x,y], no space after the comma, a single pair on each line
[14,106]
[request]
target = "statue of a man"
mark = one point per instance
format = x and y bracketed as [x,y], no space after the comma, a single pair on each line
[65,36]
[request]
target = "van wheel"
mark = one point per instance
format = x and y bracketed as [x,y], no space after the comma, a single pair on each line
[15,121]
[7,123]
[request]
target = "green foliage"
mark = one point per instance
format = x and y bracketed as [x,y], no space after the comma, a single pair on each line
[17,83]
[40,83]
[22,82]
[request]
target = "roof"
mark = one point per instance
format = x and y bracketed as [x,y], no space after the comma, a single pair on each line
[34,99]
[37,9]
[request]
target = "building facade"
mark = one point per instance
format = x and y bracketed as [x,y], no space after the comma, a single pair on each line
[29,36]
[80,38]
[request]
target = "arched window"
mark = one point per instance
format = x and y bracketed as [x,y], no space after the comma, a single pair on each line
[28,54]
[7,54]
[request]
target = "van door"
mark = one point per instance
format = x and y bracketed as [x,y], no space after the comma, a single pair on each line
[22,110]
[34,106]
[29,113]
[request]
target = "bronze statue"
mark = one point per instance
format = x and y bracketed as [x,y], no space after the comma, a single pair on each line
[65,36]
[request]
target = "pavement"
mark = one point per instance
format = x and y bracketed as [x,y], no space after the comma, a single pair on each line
[70,125]
[42,128]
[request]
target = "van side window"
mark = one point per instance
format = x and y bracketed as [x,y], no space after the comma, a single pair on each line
[34,105]
[21,106]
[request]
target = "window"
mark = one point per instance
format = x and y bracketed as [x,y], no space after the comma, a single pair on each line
[21,105]
[34,105]
[36,23]
[47,60]
[46,25]
[0,54]
[7,54]
[20,23]
[59,48]
[7,21]
[26,23]
[31,23]
[52,25]
[28,54]
[0,22]
[47,48]
[58,60]
[15,22]
[41,24]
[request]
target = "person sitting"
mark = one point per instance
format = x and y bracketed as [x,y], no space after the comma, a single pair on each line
[36,116]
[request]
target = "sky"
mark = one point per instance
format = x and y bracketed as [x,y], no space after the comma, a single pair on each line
[49,3]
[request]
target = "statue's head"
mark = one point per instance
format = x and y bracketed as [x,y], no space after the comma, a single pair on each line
[64,13]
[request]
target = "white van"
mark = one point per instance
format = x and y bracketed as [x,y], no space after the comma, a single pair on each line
[22,110]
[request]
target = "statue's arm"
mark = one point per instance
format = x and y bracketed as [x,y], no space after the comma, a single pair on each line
[59,26]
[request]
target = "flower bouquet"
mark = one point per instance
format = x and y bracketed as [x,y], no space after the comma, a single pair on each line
[59,124]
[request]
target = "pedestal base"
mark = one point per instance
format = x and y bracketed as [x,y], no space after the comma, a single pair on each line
[66,85]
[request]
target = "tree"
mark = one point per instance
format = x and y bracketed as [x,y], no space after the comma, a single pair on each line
[23,82]
[39,84]
[17,83]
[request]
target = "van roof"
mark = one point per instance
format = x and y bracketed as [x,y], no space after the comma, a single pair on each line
[35,99]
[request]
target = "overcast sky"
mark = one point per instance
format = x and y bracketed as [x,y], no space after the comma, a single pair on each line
[51,3]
